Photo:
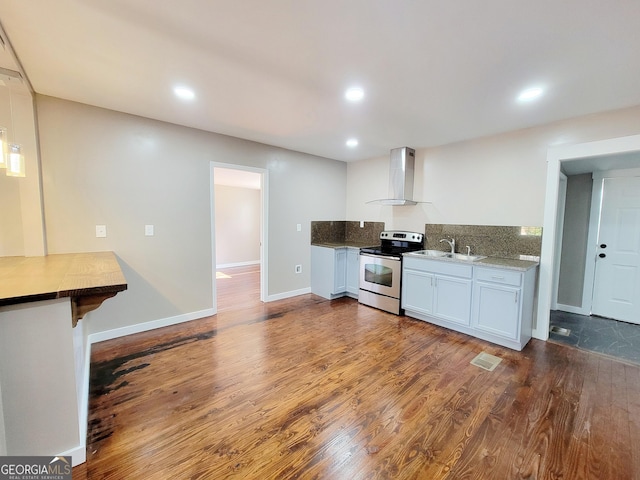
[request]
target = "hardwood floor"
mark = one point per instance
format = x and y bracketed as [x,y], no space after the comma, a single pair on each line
[315,389]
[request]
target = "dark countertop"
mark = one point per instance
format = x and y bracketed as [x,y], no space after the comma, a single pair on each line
[510,263]
[343,244]
[495,262]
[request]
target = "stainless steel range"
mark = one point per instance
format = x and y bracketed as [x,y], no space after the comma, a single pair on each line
[381,269]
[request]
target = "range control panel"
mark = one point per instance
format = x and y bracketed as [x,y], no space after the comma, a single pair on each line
[400,235]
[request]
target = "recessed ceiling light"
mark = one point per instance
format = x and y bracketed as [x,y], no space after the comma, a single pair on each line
[352,142]
[354,94]
[185,93]
[530,94]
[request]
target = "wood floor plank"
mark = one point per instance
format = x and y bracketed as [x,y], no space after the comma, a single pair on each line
[310,388]
[632,383]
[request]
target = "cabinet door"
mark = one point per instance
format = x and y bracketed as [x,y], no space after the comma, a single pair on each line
[453,299]
[496,309]
[322,271]
[340,278]
[353,270]
[417,291]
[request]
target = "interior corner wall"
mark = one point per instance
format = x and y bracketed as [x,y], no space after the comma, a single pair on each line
[574,239]
[11,231]
[495,180]
[101,167]
[237,225]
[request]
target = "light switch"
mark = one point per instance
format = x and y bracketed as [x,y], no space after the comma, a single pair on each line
[361,223]
[101,231]
[299,227]
[148,230]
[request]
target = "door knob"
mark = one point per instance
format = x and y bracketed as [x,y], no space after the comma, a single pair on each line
[602,255]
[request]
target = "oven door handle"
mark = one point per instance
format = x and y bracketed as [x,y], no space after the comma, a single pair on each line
[374,255]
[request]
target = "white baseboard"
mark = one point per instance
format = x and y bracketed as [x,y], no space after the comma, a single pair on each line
[146,326]
[78,454]
[292,293]
[238,264]
[572,309]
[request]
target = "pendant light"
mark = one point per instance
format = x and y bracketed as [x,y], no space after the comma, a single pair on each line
[15,162]
[4,150]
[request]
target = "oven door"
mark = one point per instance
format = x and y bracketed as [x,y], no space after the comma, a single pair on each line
[380,274]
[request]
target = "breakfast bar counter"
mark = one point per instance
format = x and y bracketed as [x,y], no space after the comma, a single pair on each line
[87,278]
[44,362]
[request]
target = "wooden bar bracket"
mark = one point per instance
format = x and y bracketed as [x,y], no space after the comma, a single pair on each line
[80,306]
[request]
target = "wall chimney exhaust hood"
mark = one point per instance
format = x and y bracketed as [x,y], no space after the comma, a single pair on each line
[402,162]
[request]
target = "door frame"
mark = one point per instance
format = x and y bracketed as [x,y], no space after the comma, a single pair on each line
[562,201]
[264,226]
[555,156]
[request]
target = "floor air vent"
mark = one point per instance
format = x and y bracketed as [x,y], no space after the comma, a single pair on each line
[486,361]
[560,331]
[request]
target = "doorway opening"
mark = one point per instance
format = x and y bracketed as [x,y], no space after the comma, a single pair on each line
[238,210]
[615,154]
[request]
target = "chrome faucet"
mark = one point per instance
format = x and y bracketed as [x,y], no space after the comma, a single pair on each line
[452,243]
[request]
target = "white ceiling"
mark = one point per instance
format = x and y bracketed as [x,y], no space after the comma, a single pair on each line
[434,71]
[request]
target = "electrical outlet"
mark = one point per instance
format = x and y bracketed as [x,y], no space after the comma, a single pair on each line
[148,230]
[298,268]
[101,231]
[361,223]
[299,227]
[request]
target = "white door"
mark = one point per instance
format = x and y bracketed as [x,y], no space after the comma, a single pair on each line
[616,289]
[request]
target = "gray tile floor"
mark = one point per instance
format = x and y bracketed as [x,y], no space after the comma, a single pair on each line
[597,334]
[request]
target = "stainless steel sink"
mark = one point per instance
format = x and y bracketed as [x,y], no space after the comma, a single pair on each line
[462,256]
[453,256]
[431,253]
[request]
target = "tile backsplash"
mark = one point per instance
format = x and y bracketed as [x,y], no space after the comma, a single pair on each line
[340,232]
[494,241]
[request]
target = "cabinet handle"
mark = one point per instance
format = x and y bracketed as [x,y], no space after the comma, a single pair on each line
[516,297]
[497,277]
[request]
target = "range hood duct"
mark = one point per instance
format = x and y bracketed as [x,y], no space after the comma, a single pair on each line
[402,163]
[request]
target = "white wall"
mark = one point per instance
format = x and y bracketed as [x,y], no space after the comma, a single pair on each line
[105,167]
[237,225]
[498,180]
[574,240]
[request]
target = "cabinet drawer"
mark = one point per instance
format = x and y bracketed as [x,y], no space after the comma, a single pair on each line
[435,266]
[504,277]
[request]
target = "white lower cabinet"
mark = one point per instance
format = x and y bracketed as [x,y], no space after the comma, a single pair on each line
[334,271]
[417,291]
[452,299]
[503,305]
[492,303]
[437,288]
[497,302]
